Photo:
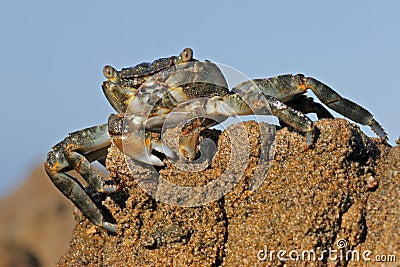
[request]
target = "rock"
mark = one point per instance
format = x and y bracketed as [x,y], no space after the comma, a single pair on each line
[16,255]
[317,199]
[35,223]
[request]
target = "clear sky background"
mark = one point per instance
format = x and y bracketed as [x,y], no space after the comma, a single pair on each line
[52,54]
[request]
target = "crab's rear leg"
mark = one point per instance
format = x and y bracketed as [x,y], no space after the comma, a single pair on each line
[306,105]
[343,106]
[75,152]
[287,87]
[245,103]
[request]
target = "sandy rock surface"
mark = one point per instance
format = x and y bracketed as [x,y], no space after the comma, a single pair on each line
[318,199]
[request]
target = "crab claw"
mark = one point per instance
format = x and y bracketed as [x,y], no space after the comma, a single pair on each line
[139,147]
[162,148]
[189,138]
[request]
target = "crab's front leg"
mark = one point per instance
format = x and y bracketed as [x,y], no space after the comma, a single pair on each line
[75,153]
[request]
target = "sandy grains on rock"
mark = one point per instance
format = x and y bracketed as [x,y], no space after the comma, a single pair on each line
[309,200]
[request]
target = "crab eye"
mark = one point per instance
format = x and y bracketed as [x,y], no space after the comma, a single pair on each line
[108,71]
[187,54]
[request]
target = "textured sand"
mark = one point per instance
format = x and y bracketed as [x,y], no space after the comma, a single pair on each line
[309,200]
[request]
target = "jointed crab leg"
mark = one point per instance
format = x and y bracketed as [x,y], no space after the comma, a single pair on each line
[75,152]
[306,105]
[243,103]
[344,106]
[289,87]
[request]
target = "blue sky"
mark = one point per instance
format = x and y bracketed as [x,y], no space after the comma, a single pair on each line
[52,54]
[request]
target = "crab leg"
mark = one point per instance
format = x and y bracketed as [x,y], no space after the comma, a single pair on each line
[242,103]
[253,102]
[306,104]
[344,106]
[287,87]
[71,154]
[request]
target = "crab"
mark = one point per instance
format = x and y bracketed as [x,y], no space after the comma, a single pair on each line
[181,91]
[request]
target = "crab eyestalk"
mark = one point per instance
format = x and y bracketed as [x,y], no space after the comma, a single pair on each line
[185,56]
[109,72]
